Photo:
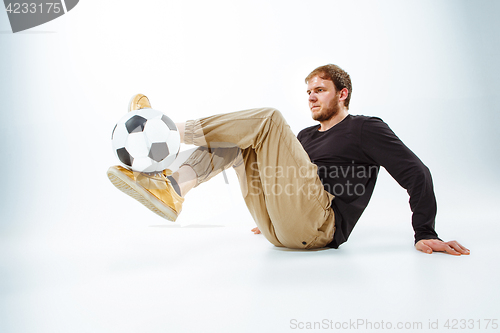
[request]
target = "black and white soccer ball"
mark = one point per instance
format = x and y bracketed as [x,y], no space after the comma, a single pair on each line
[146,140]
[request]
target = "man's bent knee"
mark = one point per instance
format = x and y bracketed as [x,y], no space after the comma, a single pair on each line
[274,114]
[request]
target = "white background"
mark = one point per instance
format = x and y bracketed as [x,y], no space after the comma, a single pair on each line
[76,255]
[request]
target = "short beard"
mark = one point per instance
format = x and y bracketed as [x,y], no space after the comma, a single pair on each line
[329,114]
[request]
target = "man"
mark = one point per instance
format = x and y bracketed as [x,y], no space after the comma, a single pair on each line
[303,192]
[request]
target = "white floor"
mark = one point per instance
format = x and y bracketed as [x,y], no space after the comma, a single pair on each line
[116,267]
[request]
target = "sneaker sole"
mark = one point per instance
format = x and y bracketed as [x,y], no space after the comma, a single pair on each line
[122,182]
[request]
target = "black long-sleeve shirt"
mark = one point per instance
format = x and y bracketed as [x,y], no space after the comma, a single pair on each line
[349,156]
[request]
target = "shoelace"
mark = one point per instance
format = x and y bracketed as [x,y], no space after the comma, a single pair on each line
[153,181]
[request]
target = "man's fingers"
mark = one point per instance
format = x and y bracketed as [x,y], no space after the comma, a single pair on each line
[440,246]
[458,247]
[435,245]
[256,230]
[451,250]
[421,246]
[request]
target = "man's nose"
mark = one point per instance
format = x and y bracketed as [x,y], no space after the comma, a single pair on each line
[312,97]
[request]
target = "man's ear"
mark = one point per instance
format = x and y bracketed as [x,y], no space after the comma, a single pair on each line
[343,94]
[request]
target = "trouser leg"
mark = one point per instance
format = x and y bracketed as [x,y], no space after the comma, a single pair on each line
[208,162]
[284,193]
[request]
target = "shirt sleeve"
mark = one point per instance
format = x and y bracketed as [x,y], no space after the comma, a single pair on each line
[380,143]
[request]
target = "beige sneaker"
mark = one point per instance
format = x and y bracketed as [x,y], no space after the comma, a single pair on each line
[139,101]
[153,191]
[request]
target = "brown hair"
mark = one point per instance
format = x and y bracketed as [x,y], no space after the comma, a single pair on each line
[337,75]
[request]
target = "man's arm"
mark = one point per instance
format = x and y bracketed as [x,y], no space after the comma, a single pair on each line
[380,143]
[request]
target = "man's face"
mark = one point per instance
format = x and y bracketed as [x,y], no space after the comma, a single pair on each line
[323,99]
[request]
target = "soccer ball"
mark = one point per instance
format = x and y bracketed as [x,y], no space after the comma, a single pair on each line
[146,140]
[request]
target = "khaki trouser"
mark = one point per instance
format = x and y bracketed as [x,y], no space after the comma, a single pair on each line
[280,185]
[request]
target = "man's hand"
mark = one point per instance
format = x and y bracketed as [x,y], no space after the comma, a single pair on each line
[431,245]
[256,230]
